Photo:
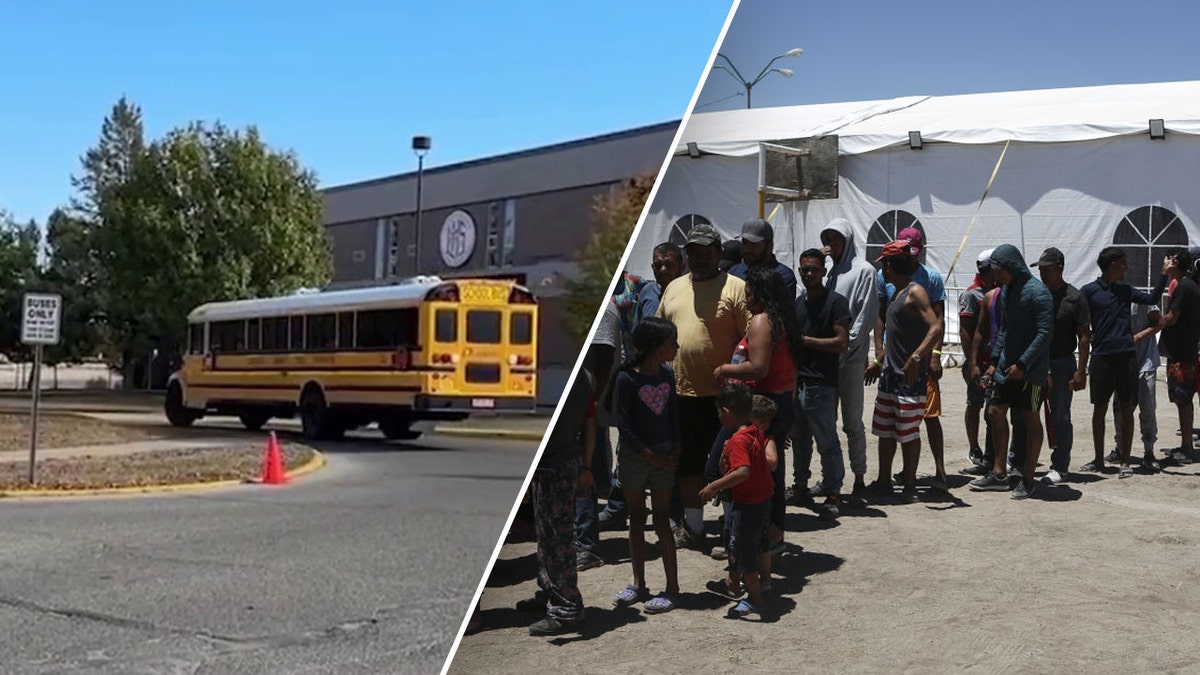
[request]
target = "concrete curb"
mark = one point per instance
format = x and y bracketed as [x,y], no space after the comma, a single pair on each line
[314,464]
[511,434]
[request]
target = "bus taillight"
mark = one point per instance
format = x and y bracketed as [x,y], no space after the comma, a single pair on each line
[520,360]
[449,359]
[520,296]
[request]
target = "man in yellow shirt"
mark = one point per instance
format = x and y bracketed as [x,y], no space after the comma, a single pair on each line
[708,308]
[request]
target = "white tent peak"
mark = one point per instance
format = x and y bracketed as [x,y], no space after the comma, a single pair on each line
[1030,116]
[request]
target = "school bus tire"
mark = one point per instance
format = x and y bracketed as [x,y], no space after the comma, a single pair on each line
[177,414]
[317,421]
[254,420]
[396,428]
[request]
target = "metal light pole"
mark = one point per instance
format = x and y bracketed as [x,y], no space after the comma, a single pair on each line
[420,146]
[767,70]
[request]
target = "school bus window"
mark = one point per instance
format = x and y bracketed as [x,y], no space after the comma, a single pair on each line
[346,330]
[521,332]
[322,331]
[386,328]
[483,327]
[253,337]
[229,336]
[297,331]
[275,334]
[446,325]
[196,338]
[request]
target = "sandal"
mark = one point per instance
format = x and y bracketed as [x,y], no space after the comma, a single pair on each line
[660,604]
[741,610]
[1125,471]
[632,594]
[721,587]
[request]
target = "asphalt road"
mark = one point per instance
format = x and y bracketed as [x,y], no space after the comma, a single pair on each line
[367,566]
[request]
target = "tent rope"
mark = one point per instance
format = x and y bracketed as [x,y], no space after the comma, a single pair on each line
[967,234]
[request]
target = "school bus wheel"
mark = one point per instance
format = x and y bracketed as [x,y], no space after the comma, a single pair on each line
[254,420]
[177,414]
[317,421]
[395,427]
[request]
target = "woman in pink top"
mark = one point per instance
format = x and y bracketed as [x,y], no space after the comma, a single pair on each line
[765,361]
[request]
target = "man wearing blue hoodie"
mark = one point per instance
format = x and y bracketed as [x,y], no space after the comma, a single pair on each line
[1020,366]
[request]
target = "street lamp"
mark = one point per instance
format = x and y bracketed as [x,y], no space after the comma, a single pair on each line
[733,71]
[420,146]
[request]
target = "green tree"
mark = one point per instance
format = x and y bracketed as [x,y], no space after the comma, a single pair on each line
[19,273]
[204,214]
[614,216]
[73,271]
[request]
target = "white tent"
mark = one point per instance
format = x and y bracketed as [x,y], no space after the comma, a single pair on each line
[1081,172]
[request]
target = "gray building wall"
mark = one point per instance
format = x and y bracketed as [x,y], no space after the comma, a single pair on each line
[543,197]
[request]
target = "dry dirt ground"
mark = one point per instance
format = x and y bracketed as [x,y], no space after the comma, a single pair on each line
[237,461]
[1095,576]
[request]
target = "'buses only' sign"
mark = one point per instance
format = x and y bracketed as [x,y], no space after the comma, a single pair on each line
[41,315]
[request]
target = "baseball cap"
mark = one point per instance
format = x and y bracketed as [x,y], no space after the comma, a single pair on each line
[703,234]
[984,261]
[732,254]
[897,247]
[756,230]
[1051,256]
[914,237]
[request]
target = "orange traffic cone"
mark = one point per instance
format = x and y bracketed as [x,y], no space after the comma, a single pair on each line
[272,471]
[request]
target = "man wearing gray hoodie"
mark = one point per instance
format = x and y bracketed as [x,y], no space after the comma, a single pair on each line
[1020,366]
[853,278]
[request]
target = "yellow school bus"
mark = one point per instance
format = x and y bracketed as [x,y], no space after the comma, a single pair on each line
[423,349]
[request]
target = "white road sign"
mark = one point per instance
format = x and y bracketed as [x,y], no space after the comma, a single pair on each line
[41,315]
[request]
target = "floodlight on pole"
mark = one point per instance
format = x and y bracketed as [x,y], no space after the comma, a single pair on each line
[421,146]
[767,70]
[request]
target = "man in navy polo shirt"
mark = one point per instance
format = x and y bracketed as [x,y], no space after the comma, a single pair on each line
[758,250]
[1113,369]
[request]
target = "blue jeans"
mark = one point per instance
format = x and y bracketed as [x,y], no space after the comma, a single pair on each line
[1062,369]
[614,506]
[816,420]
[587,522]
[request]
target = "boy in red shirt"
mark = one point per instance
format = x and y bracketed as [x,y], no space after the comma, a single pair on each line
[748,479]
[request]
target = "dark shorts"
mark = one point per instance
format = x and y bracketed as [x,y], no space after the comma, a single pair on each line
[975,393]
[747,531]
[1113,374]
[1019,395]
[700,425]
[1181,381]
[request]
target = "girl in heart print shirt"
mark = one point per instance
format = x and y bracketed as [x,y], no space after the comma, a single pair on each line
[646,414]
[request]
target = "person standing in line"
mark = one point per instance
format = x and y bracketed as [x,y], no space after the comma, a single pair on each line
[1180,336]
[1146,322]
[935,289]
[913,329]
[1112,368]
[708,307]
[970,303]
[758,250]
[1072,325]
[1020,366]
[852,277]
[823,318]
[561,472]
[667,263]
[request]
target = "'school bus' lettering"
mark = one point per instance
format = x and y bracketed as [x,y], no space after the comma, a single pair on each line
[426,349]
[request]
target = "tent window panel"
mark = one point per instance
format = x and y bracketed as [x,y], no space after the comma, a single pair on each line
[386,328]
[322,332]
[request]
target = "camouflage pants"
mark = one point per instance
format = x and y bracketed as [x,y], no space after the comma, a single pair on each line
[553,492]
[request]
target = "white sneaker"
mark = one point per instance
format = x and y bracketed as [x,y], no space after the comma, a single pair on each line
[1054,478]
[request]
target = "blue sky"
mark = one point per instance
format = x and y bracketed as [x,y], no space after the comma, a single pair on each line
[874,49]
[345,84]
